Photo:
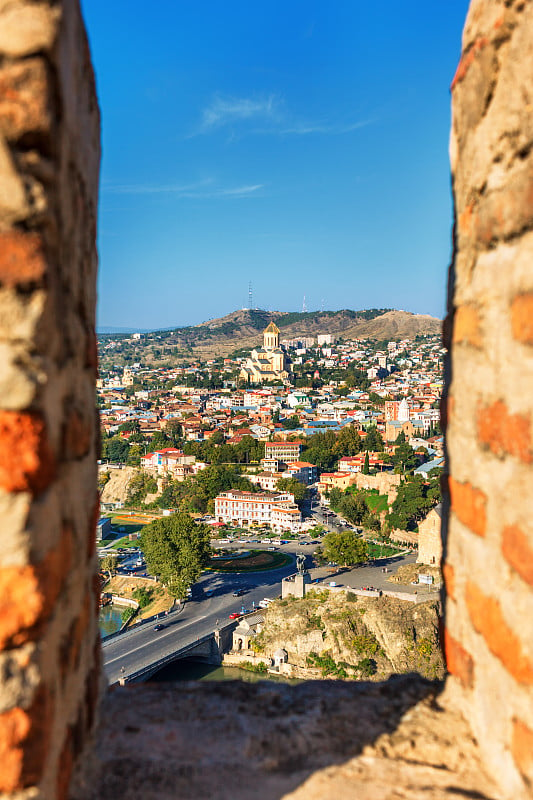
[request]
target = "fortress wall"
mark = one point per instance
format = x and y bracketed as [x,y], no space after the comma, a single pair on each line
[488,406]
[49,589]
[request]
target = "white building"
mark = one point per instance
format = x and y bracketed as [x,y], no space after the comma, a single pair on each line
[264,508]
[324,338]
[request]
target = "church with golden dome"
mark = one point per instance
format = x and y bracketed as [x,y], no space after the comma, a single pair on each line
[268,363]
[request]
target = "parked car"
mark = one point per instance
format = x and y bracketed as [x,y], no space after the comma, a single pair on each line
[235,615]
[239,592]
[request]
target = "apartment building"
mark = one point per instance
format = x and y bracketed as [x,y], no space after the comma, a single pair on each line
[276,509]
[284,451]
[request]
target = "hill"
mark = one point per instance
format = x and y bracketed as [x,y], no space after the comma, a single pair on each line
[243,329]
[348,636]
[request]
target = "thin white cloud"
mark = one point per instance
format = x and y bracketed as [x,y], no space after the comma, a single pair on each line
[265,116]
[303,129]
[227,110]
[197,191]
[242,190]
[153,188]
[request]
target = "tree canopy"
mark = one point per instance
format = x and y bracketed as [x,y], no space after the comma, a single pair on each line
[295,488]
[176,550]
[414,499]
[345,547]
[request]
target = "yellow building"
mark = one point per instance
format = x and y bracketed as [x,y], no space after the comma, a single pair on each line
[268,363]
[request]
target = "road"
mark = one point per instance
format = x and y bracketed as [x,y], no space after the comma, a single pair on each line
[212,602]
[199,615]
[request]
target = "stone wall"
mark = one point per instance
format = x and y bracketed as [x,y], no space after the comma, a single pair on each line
[429,538]
[489,551]
[49,164]
[385,482]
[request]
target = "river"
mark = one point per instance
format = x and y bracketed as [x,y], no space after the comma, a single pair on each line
[110,619]
[190,670]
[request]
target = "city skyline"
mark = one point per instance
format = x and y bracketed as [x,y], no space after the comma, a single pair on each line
[304,149]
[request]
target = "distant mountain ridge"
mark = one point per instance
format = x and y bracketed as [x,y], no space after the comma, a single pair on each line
[243,329]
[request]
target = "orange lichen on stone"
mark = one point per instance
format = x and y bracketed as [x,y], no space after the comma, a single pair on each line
[24,739]
[522,318]
[504,433]
[28,593]
[488,620]
[26,462]
[469,504]
[522,748]
[464,219]
[518,552]
[449,579]
[467,326]
[468,59]
[22,258]
[458,661]
[24,98]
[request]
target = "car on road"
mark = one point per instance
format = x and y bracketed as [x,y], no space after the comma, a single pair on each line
[158,627]
[235,615]
[239,592]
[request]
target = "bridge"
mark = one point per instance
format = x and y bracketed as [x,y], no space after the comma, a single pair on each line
[136,655]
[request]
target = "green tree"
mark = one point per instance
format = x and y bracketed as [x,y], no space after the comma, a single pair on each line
[366,465]
[291,423]
[109,564]
[115,449]
[131,426]
[353,507]
[143,595]
[176,550]
[344,548]
[159,441]
[348,442]
[414,499]
[404,458]
[134,455]
[373,440]
[174,431]
[293,486]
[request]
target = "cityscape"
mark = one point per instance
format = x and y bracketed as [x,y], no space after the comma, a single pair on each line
[266,424]
[321,451]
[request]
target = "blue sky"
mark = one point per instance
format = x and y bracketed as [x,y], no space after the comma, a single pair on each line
[300,145]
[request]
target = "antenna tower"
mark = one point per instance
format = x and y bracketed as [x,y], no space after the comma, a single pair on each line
[250,296]
[304,307]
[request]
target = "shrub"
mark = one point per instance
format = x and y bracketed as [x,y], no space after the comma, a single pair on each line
[367,667]
[260,667]
[143,596]
[128,613]
[366,644]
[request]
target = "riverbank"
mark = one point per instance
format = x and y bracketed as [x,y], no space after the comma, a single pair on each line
[190,670]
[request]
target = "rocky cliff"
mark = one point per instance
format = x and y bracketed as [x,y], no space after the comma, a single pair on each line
[342,635]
